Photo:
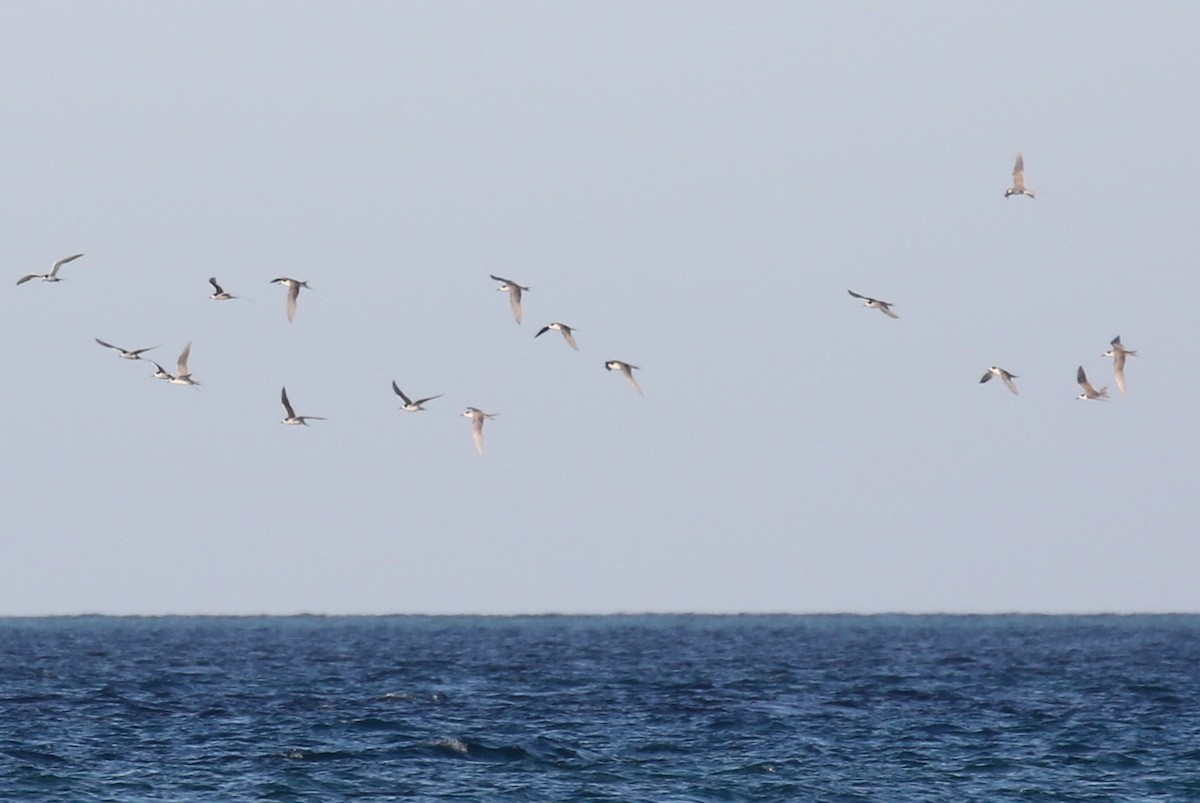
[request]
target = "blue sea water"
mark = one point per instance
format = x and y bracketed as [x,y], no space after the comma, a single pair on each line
[624,708]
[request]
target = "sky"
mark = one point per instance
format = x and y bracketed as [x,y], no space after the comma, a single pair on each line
[694,187]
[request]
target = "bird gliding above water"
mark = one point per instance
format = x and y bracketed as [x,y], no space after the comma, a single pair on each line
[292,418]
[126,354]
[52,276]
[411,406]
[874,303]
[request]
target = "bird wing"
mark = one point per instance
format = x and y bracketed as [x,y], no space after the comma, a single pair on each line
[181,364]
[857,295]
[986,377]
[400,393]
[514,298]
[570,338]
[63,261]
[27,277]
[627,369]
[429,398]
[293,293]
[1008,380]
[108,345]
[477,431]
[1082,379]
[216,287]
[287,405]
[1019,175]
[885,308]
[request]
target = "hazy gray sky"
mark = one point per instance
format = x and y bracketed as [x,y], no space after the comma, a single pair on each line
[694,187]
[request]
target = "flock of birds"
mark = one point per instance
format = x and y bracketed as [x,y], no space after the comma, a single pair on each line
[183,374]
[1116,350]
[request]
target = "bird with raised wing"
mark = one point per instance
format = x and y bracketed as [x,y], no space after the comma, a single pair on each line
[411,406]
[52,276]
[292,418]
[1119,353]
[219,293]
[183,375]
[1018,187]
[1089,392]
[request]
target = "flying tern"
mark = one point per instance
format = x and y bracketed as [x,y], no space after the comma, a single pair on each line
[1089,392]
[411,406]
[1119,353]
[1018,187]
[293,286]
[52,276]
[292,418]
[874,303]
[476,415]
[183,376]
[514,294]
[127,354]
[627,370]
[567,333]
[1005,375]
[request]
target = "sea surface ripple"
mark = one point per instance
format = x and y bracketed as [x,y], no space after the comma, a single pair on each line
[661,709]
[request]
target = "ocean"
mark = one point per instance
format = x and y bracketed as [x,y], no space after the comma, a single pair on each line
[655,708]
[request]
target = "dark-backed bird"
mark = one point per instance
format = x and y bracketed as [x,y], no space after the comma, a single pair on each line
[219,293]
[411,406]
[874,303]
[292,418]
